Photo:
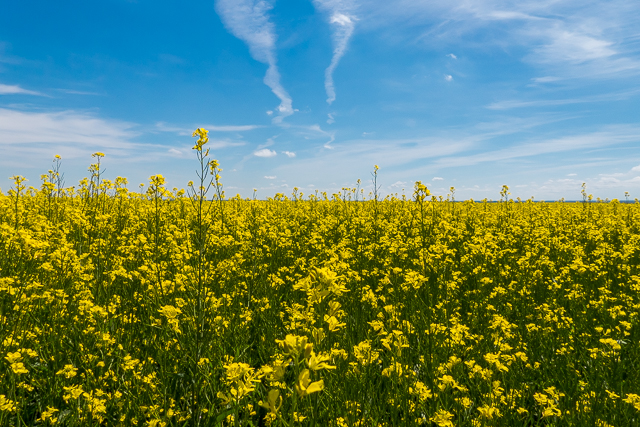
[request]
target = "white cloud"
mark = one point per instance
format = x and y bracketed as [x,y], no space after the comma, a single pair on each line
[330,119]
[249,21]
[448,77]
[437,178]
[572,174]
[606,97]
[163,127]
[29,139]
[21,127]
[17,90]
[270,177]
[610,135]
[398,184]
[230,128]
[224,143]
[566,39]
[175,152]
[452,56]
[545,79]
[78,92]
[573,47]
[343,23]
[289,154]
[636,168]
[265,152]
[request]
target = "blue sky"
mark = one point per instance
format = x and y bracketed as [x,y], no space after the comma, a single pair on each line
[538,95]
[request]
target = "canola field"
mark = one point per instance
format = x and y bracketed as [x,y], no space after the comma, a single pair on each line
[186,308]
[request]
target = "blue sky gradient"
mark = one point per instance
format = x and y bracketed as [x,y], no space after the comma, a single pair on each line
[537,95]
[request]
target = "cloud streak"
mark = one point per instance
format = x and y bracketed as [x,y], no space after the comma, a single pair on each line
[29,139]
[342,22]
[17,90]
[164,127]
[612,135]
[18,127]
[607,97]
[249,21]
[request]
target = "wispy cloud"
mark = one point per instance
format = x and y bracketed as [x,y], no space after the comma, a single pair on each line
[270,177]
[30,139]
[330,118]
[545,79]
[20,127]
[614,96]
[231,128]
[359,155]
[605,138]
[7,58]
[289,154]
[249,21]
[164,127]
[17,90]
[342,21]
[224,143]
[78,92]
[315,132]
[268,143]
[568,39]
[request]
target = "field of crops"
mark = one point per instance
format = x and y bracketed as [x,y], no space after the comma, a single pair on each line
[175,308]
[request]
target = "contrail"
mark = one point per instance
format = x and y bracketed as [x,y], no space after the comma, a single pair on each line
[342,22]
[248,20]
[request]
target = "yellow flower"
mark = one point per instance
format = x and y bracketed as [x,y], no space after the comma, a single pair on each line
[551,411]
[170,312]
[14,357]
[488,412]
[421,390]
[18,368]
[318,362]
[292,345]
[201,133]
[304,386]
[442,418]
[334,324]
[6,405]
[274,401]
[69,371]
[633,399]
[237,371]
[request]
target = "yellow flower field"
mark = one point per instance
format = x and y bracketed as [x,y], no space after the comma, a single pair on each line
[188,308]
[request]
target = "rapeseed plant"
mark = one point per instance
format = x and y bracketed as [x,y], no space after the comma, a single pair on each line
[188,308]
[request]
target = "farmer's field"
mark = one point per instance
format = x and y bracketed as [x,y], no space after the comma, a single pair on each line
[162,309]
